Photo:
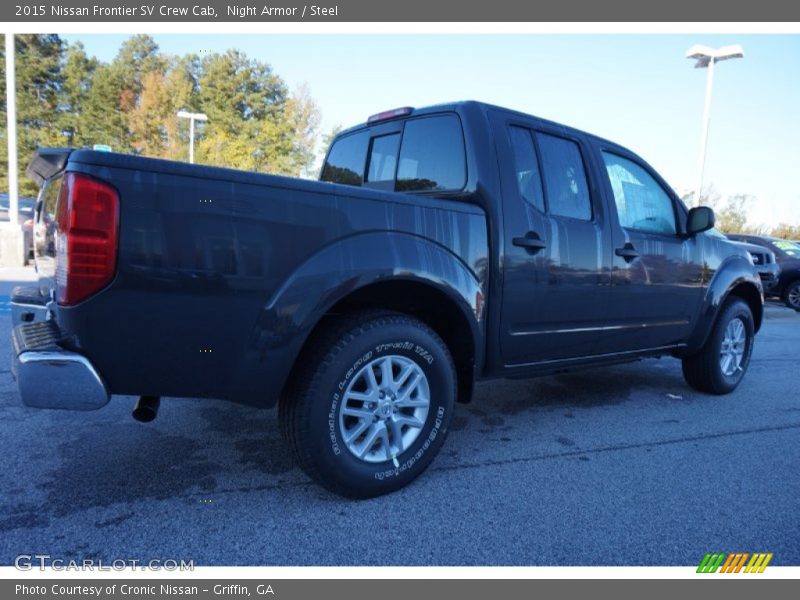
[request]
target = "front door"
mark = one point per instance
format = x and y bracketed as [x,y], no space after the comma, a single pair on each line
[657,280]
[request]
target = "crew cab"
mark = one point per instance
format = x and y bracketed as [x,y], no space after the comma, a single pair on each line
[442,246]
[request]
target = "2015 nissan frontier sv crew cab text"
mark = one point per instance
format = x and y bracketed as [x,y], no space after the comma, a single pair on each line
[442,246]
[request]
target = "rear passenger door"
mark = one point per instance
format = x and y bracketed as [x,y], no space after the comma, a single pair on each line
[657,270]
[556,245]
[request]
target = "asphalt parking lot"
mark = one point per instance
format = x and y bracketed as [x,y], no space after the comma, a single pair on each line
[622,465]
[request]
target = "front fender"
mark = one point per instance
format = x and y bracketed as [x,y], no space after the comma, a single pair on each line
[733,272]
[329,276]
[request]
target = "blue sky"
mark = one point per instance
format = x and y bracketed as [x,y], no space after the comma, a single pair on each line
[637,90]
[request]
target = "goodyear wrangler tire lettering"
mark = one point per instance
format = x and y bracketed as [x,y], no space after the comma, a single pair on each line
[371,408]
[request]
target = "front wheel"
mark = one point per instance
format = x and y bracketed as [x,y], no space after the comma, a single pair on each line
[721,364]
[369,410]
[792,295]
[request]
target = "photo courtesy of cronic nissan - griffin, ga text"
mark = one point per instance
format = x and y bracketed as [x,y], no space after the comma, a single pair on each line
[443,245]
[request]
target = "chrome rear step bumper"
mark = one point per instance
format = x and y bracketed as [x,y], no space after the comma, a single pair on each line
[49,376]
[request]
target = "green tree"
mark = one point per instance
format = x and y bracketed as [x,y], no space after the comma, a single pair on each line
[786,231]
[254,123]
[67,98]
[153,122]
[39,79]
[297,137]
[730,212]
[3,121]
[138,56]
[101,118]
[327,138]
[732,215]
[78,71]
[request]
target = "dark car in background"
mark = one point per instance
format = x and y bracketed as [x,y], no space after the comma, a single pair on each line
[787,255]
[763,260]
[25,216]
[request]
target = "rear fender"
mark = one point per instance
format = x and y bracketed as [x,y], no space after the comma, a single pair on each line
[332,274]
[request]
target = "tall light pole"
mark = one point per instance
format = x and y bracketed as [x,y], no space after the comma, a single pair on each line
[183,114]
[11,129]
[12,238]
[706,58]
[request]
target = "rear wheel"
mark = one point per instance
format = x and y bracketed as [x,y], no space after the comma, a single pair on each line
[720,365]
[369,409]
[792,295]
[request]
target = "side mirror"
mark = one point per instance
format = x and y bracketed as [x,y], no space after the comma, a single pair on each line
[700,219]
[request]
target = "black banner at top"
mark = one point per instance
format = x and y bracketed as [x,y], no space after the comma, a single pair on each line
[400,11]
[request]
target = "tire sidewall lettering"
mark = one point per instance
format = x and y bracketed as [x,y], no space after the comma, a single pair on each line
[426,360]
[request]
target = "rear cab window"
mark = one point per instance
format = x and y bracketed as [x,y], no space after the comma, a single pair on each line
[383,158]
[426,155]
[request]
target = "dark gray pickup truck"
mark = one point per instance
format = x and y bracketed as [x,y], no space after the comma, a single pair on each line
[442,246]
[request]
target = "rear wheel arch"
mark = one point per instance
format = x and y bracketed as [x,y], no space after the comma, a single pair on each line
[421,300]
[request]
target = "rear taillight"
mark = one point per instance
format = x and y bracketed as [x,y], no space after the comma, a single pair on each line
[87,222]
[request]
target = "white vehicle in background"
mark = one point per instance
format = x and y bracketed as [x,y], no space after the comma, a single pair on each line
[26,211]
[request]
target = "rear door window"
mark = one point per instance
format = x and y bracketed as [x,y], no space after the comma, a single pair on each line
[432,155]
[564,177]
[526,167]
[346,160]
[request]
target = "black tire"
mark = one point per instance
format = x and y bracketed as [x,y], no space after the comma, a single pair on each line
[703,371]
[792,295]
[310,412]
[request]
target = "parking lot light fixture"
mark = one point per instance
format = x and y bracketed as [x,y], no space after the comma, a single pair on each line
[706,58]
[192,116]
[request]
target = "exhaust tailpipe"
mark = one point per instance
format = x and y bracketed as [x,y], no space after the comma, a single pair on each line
[146,408]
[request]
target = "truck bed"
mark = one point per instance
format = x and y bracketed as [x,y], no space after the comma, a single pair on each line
[207,256]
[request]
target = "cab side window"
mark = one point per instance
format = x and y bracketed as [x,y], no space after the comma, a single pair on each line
[642,203]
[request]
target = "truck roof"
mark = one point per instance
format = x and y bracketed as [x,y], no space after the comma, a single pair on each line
[485,107]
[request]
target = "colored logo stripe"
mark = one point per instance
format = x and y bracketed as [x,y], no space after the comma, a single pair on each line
[758,563]
[734,562]
[710,563]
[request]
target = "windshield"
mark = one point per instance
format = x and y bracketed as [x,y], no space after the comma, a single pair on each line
[788,248]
